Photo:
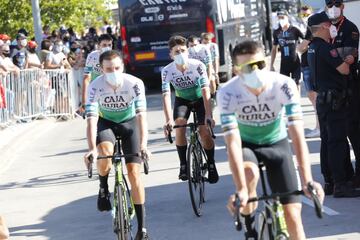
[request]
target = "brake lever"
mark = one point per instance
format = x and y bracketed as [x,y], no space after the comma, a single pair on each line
[317,204]
[90,172]
[237,220]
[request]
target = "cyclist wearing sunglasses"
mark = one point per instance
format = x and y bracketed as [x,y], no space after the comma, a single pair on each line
[191,84]
[251,108]
[346,41]
[286,37]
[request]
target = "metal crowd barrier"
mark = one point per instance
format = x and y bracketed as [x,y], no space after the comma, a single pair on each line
[34,93]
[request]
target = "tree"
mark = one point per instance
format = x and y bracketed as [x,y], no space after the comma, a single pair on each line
[79,14]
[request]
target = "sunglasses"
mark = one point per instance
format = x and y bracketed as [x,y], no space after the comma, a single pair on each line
[336,4]
[251,66]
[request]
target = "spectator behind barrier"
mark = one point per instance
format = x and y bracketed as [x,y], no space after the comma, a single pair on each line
[57,59]
[5,62]
[19,53]
[33,59]
[46,48]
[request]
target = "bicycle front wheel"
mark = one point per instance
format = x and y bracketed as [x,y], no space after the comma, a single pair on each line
[195,179]
[121,217]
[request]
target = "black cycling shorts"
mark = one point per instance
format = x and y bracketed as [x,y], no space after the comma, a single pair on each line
[281,172]
[128,131]
[291,69]
[182,109]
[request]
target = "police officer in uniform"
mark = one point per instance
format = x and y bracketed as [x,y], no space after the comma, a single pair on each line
[328,70]
[346,42]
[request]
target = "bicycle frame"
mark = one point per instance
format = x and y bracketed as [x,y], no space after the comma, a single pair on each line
[120,181]
[194,134]
[272,211]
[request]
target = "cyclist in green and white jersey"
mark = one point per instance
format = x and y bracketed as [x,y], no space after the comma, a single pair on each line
[252,105]
[116,105]
[200,52]
[189,78]
[92,66]
[206,40]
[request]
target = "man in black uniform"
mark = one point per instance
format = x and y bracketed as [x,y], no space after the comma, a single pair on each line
[287,37]
[328,69]
[347,43]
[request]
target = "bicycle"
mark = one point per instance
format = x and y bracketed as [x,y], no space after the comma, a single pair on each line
[271,220]
[123,206]
[196,161]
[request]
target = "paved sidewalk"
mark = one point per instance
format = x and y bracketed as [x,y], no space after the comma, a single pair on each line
[12,136]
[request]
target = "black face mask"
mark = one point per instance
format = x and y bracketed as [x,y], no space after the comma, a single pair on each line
[6,54]
[73,49]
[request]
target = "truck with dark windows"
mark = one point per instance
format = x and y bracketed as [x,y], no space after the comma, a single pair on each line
[147,25]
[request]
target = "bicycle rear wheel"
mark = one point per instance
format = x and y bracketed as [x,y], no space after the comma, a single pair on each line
[121,220]
[196,182]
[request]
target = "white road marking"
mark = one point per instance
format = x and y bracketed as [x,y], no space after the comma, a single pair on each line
[326,210]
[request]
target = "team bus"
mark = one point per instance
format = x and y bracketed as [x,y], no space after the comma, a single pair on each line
[147,25]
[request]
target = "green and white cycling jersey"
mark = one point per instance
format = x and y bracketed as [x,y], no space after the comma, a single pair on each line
[259,118]
[92,65]
[214,50]
[118,105]
[201,53]
[187,84]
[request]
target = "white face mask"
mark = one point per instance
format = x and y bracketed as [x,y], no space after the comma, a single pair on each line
[255,79]
[105,49]
[334,12]
[58,48]
[283,22]
[114,79]
[196,48]
[181,59]
[23,42]
[333,31]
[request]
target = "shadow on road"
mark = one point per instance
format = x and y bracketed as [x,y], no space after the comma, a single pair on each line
[65,153]
[169,217]
[57,179]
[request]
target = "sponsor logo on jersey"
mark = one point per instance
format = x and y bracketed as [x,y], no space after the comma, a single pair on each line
[184,82]
[257,112]
[200,70]
[226,101]
[285,88]
[136,90]
[116,102]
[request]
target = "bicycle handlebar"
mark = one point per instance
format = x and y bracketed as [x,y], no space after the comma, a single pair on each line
[237,221]
[91,159]
[169,137]
[310,188]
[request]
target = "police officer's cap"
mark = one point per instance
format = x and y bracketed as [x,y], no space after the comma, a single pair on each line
[318,18]
[327,2]
[282,12]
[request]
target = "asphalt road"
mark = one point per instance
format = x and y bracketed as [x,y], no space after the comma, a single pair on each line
[45,193]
